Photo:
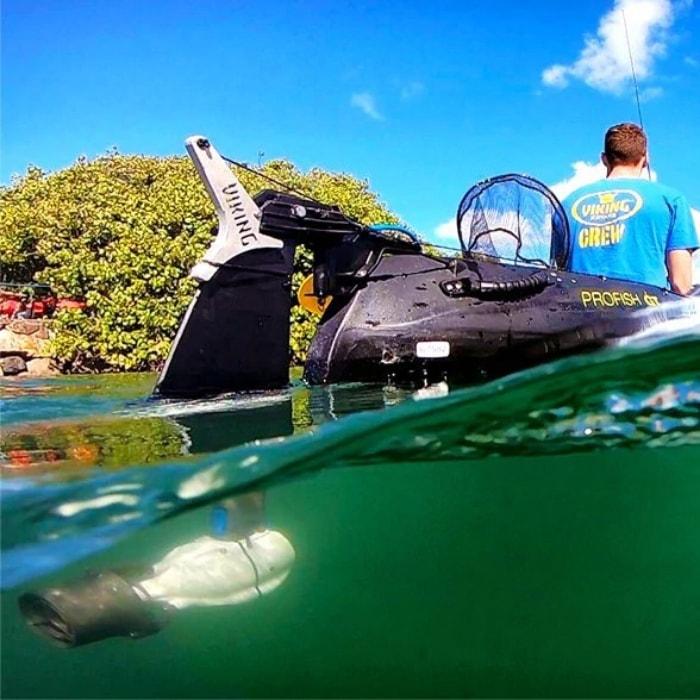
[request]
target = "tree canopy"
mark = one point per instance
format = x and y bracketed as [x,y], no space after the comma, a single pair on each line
[122,232]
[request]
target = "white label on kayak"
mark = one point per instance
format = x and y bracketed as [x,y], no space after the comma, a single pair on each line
[433,348]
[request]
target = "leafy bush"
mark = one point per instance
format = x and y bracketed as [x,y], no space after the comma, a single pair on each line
[122,233]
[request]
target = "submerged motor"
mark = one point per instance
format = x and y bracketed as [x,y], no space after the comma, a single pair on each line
[98,606]
[209,571]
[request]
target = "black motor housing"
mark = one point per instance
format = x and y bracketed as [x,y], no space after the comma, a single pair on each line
[235,335]
[100,605]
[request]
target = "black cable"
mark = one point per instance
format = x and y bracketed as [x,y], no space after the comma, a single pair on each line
[289,188]
[284,186]
[253,564]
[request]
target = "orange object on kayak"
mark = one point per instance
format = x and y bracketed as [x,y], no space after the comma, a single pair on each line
[309,300]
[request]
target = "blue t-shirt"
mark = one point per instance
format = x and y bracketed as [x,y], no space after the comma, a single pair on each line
[623,228]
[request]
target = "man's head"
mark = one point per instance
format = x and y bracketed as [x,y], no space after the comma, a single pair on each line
[625,145]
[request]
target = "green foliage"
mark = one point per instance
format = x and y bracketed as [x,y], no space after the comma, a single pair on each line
[122,233]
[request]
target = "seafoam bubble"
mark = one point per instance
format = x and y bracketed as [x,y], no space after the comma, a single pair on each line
[202,482]
[71,508]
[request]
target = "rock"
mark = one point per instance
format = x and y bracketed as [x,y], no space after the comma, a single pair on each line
[41,367]
[21,344]
[12,365]
[28,327]
[43,332]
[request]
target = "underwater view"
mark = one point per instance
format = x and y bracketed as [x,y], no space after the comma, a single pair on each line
[534,536]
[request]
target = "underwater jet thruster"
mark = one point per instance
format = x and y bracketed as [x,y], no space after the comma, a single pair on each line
[392,310]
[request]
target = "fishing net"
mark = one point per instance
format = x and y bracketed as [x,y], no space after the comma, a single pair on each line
[514,218]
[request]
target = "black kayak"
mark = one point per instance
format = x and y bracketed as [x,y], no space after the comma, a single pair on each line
[393,310]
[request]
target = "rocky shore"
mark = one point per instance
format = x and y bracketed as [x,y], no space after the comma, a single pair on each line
[25,348]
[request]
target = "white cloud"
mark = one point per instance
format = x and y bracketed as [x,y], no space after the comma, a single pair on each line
[365,102]
[447,231]
[604,62]
[650,93]
[412,90]
[555,76]
[584,173]
[691,61]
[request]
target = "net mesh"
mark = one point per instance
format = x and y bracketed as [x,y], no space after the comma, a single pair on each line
[514,218]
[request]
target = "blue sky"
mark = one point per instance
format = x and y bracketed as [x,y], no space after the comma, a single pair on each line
[421,99]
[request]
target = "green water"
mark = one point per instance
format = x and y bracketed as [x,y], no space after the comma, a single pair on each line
[539,536]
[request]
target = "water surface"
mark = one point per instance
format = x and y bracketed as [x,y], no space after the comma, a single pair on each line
[536,536]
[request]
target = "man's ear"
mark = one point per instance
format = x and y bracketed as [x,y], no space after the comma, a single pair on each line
[604,160]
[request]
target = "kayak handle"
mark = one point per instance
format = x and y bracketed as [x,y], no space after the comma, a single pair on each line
[509,289]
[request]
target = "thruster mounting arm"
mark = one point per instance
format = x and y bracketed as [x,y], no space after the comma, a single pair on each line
[239,216]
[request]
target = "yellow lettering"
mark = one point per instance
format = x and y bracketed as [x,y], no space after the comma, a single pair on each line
[605,208]
[616,298]
[595,236]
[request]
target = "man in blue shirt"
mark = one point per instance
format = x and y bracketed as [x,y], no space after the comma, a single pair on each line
[627,227]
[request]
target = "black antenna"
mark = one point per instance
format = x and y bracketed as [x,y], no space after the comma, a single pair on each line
[634,79]
[634,73]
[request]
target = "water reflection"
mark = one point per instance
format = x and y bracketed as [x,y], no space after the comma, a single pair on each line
[241,559]
[147,432]
[66,447]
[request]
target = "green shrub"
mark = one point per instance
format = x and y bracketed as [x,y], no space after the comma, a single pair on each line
[122,233]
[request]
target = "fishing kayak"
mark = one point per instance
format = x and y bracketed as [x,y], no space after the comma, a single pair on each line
[393,310]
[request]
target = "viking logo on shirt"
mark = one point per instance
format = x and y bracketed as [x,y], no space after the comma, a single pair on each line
[601,213]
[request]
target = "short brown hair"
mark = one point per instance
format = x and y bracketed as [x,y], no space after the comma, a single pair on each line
[625,144]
